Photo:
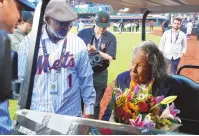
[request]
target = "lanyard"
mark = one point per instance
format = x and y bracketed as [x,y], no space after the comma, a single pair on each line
[98,42]
[176,37]
[61,60]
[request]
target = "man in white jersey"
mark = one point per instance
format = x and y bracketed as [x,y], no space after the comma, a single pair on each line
[63,67]
[189,29]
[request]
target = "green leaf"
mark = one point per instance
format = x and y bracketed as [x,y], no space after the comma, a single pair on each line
[168,100]
[165,101]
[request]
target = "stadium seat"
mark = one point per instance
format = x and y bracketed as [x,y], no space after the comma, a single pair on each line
[188,103]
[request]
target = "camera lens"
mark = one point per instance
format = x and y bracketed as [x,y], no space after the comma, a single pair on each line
[97,59]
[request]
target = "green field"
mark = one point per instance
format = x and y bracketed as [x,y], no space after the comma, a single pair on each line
[125,43]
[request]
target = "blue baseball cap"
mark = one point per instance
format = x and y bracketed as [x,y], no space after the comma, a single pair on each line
[102,19]
[27,16]
[28,6]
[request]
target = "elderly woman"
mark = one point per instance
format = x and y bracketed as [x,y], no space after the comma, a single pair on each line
[148,67]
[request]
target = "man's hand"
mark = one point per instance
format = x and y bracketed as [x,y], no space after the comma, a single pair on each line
[91,48]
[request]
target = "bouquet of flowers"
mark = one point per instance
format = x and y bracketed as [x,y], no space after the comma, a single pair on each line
[141,109]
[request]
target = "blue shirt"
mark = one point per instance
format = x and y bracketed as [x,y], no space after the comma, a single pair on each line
[5,121]
[108,41]
[106,44]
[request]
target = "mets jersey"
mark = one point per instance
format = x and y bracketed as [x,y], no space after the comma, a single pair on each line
[60,92]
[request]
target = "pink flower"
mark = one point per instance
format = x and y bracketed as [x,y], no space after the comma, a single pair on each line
[159,99]
[137,122]
[136,90]
[118,92]
[170,113]
[174,112]
[167,113]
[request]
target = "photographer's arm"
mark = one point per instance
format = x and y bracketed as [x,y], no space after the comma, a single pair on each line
[106,56]
[110,51]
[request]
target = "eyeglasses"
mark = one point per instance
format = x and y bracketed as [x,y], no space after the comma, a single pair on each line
[63,24]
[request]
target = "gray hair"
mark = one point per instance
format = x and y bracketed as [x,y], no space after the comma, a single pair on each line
[155,58]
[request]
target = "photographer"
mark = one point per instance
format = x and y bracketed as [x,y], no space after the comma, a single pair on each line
[102,49]
[9,16]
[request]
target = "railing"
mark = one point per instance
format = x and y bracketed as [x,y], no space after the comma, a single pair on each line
[187,66]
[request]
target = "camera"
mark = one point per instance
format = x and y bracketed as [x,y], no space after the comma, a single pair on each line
[95,59]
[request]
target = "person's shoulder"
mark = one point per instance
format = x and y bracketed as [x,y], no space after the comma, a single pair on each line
[124,75]
[109,34]
[167,32]
[123,79]
[72,36]
[86,30]
[168,80]
[25,43]
[76,39]
[182,33]
[12,37]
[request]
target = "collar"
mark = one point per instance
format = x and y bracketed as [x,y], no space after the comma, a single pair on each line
[93,32]
[20,32]
[143,85]
[147,88]
[175,31]
[161,87]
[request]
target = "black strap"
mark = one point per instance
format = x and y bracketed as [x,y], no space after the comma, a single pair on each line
[175,39]
[61,60]
[93,35]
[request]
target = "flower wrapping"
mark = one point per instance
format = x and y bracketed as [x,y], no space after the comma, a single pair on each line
[137,107]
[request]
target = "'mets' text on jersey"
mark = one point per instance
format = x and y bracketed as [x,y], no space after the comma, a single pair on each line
[43,63]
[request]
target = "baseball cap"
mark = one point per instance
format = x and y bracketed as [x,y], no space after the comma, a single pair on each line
[61,11]
[102,19]
[27,5]
[27,16]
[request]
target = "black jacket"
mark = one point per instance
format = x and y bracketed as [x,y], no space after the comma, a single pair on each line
[187,101]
